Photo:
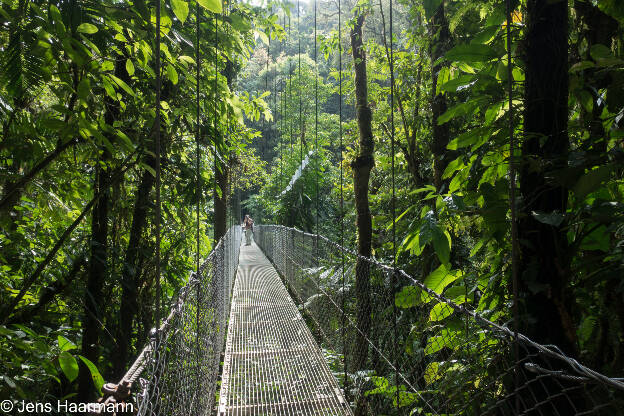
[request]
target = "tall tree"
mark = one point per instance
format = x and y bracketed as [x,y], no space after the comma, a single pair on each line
[544,264]
[439,43]
[362,166]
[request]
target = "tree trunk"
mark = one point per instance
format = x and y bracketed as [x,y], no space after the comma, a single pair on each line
[440,38]
[98,270]
[129,283]
[362,166]
[220,199]
[544,267]
[98,262]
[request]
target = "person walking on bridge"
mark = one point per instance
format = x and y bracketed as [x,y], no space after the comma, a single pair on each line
[248,225]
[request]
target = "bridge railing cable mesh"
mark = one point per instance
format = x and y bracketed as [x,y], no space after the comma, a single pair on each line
[177,371]
[444,358]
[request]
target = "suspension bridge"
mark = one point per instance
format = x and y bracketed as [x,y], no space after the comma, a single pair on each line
[273,329]
[281,327]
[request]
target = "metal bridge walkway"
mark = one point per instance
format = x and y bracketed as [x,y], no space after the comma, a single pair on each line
[272,364]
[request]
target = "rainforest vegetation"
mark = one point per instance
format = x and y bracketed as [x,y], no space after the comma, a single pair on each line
[471,114]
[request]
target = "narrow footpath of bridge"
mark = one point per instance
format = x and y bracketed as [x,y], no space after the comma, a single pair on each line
[272,364]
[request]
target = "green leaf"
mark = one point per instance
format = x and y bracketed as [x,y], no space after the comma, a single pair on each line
[470,53]
[599,239]
[474,137]
[65,344]
[599,51]
[239,22]
[613,8]
[458,84]
[432,373]
[440,311]
[84,88]
[214,6]
[446,339]
[408,297]
[442,244]
[554,218]
[431,6]
[129,67]
[172,74]
[458,110]
[591,180]
[180,9]
[438,280]
[69,365]
[87,28]
[122,84]
[97,378]
[263,37]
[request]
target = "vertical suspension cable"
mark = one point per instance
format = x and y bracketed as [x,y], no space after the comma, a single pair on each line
[216,68]
[157,151]
[289,96]
[342,259]
[512,202]
[316,182]
[197,133]
[300,84]
[265,142]
[198,187]
[393,203]
[283,116]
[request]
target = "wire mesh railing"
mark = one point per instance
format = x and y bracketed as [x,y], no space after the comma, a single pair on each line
[178,369]
[401,347]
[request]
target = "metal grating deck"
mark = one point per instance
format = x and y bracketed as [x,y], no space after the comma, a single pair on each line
[272,364]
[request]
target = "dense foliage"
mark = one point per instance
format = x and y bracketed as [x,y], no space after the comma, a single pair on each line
[78,161]
[77,170]
[452,125]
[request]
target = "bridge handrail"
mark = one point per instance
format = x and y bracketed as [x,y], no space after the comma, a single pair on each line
[120,392]
[550,350]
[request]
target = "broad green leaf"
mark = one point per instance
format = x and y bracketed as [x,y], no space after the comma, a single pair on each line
[432,373]
[129,67]
[444,75]
[180,9]
[452,167]
[64,344]
[579,66]
[438,280]
[122,84]
[590,181]
[87,28]
[458,84]
[599,51]
[172,74]
[613,8]
[439,312]
[69,365]
[239,22]
[408,297]
[554,218]
[457,110]
[84,88]
[599,239]
[263,37]
[446,339]
[430,7]
[474,137]
[442,244]
[470,53]
[97,378]
[214,6]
